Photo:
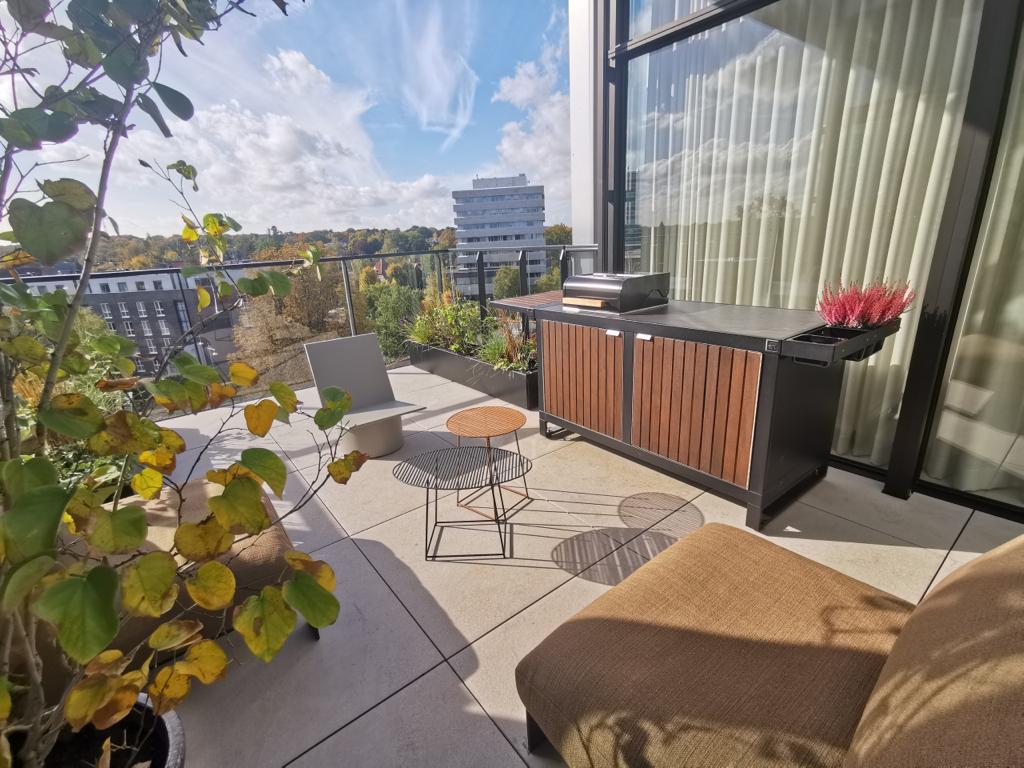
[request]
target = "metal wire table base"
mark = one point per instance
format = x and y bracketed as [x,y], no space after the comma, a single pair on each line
[432,536]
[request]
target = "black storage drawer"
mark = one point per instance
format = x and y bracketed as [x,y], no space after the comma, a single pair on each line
[828,346]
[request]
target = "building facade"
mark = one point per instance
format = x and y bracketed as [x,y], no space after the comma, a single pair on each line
[152,308]
[506,213]
[759,150]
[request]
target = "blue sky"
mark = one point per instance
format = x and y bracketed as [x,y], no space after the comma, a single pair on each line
[360,113]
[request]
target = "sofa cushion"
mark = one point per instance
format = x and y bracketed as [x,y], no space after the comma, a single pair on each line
[726,649]
[952,691]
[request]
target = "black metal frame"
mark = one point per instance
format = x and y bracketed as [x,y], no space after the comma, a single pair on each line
[965,202]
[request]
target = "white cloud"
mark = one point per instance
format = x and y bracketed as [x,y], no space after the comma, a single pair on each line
[538,145]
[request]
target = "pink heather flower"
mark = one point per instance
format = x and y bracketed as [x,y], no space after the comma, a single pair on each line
[853,306]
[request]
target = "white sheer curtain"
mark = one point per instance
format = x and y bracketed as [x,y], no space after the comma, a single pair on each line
[809,142]
[978,441]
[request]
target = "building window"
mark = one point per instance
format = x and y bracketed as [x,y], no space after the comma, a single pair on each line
[129,329]
[122,287]
[146,330]
[158,285]
[158,308]
[140,308]
[182,311]
[151,346]
[111,326]
[165,330]
[123,309]
[104,287]
[140,285]
[105,310]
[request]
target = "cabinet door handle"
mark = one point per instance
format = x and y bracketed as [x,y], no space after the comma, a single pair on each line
[612,333]
[643,337]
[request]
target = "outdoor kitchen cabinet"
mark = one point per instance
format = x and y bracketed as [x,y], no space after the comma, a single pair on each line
[719,395]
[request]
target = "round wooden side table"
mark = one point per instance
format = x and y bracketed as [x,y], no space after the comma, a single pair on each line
[484,423]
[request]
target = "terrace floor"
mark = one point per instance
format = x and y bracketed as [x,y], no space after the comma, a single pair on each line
[418,671]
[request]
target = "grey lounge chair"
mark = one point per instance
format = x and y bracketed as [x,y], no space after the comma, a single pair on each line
[356,365]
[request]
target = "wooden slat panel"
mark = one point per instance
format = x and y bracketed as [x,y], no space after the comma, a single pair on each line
[751,382]
[570,373]
[654,419]
[595,375]
[732,427]
[607,385]
[721,411]
[638,387]
[700,369]
[667,356]
[646,393]
[676,387]
[619,374]
[588,371]
[707,429]
[578,374]
[686,402]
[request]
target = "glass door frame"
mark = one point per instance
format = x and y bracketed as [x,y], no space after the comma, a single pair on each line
[942,294]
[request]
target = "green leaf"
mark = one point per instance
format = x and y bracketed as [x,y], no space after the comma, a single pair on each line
[201,374]
[28,13]
[253,286]
[83,610]
[175,101]
[70,191]
[23,579]
[240,508]
[265,621]
[50,232]
[149,585]
[30,525]
[285,395]
[317,606]
[126,65]
[21,476]
[192,270]
[138,10]
[336,404]
[149,106]
[267,465]
[26,350]
[189,173]
[279,283]
[27,128]
[119,531]
[72,415]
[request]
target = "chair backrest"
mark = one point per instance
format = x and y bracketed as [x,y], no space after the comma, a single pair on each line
[353,363]
[952,690]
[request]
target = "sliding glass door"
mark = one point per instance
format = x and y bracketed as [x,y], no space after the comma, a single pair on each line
[977,441]
[809,142]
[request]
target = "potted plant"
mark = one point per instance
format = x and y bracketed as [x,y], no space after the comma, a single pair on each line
[82,459]
[490,355]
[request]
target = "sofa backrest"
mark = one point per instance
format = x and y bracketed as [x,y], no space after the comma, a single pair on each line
[951,692]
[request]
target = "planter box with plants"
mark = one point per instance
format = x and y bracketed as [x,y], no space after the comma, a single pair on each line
[449,339]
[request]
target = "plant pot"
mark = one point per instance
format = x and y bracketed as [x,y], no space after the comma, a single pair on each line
[165,748]
[515,387]
[830,345]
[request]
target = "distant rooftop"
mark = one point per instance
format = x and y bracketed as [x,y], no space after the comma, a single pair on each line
[501,181]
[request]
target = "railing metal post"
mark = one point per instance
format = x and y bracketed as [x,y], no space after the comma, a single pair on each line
[349,307]
[524,290]
[563,266]
[481,284]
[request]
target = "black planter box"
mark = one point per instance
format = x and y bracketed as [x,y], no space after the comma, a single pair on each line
[515,387]
[829,345]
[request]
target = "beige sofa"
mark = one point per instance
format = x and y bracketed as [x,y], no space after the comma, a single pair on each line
[728,650]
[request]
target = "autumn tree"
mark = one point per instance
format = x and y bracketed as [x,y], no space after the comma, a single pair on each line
[506,282]
[558,234]
[445,239]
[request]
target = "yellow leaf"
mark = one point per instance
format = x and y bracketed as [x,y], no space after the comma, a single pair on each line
[221,392]
[205,661]
[171,440]
[149,585]
[202,541]
[105,754]
[168,689]
[176,633]
[242,374]
[212,586]
[117,385]
[259,416]
[159,459]
[341,469]
[110,662]
[265,621]
[225,476]
[82,507]
[204,297]
[148,482]
[189,235]
[318,569]
[88,696]
[5,698]
[118,705]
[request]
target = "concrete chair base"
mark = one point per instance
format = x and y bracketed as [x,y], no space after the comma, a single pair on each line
[377,438]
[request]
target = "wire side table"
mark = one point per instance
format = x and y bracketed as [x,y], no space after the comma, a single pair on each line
[486,422]
[463,468]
